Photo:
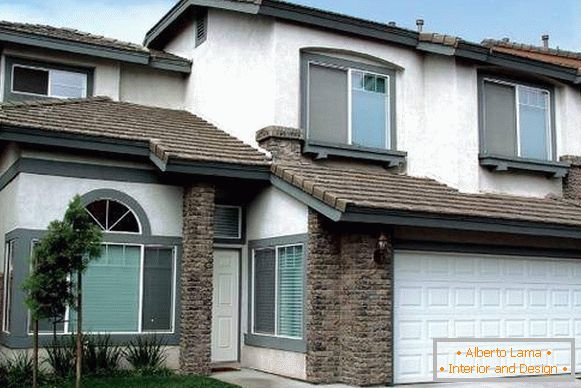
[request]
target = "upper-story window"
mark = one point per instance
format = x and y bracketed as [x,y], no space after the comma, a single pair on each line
[517,120]
[28,80]
[349,103]
[348,109]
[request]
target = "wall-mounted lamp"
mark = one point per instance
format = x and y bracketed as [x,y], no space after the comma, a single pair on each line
[381,253]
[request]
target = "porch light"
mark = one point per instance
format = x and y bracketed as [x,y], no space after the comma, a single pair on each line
[382,250]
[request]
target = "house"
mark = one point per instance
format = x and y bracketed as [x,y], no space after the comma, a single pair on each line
[294,190]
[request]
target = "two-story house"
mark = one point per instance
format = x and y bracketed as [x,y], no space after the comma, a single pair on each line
[296,191]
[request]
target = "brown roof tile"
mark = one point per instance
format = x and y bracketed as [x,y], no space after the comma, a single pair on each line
[378,189]
[170,133]
[72,35]
[559,57]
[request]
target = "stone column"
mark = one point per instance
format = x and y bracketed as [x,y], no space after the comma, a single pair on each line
[196,278]
[322,301]
[572,182]
[366,310]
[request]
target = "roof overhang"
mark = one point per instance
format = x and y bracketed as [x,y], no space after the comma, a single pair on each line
[354,214]
[128,148]
[129,56]
[368,29]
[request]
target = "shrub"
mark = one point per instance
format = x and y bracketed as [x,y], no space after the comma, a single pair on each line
[17,371]
[101,357]
[146,354]
[61,357]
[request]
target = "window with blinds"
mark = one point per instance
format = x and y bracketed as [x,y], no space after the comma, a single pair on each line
[228,222]
[278,291]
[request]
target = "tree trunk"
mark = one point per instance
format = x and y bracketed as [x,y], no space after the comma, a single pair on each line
[35,356]
[79,365]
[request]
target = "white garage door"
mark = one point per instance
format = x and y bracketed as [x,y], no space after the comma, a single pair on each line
[449,295]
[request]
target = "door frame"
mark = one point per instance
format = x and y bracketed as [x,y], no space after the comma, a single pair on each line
[236,248]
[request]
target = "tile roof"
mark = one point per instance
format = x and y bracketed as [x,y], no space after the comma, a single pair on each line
[76,36]
[557,56]
[369,188]
[175,134]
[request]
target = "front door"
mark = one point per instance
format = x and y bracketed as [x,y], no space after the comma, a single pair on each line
[225,305]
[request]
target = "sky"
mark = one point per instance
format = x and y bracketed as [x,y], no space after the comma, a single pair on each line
[520,20]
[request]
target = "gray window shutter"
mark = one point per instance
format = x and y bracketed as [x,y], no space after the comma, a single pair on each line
[157,289]
[201,27]
[328,105]
[227,222]
[499,119]
[264,290]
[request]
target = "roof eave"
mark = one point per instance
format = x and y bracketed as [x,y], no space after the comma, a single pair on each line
[178,10]
[459,222]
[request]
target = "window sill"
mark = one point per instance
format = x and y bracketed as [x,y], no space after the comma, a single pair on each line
[390,158]
[272,342]
[506,163]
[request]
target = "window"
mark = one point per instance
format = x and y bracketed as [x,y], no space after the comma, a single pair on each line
[278,291]
[8,285]
[349,104]
[46,82]
[228,222]
[113,216]
[129,289]
[516,120]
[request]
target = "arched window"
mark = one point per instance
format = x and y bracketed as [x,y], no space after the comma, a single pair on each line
[113,216]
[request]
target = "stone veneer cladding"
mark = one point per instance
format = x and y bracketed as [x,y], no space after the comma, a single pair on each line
[196,278]
[348,295]
[572,182]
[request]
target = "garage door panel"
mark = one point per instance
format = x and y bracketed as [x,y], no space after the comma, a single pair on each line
[448,295]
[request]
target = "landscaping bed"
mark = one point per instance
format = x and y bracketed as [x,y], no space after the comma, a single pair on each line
[174,381]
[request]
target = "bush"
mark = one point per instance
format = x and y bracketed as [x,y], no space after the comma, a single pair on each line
[17,371]
[100,356]
[61,357]
[146,354]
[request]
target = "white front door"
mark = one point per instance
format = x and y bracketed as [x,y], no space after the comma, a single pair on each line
[225,306]
[463,295]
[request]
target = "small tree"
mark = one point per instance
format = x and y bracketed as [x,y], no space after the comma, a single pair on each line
[63,254]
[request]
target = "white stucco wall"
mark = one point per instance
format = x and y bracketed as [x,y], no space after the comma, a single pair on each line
[43,198]
[8,214]
[147,86]
[247,75]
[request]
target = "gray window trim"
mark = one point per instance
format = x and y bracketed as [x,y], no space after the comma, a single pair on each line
[15,61]
[19,337]
[268,341]
[514,162]
[322,150]
[241,227]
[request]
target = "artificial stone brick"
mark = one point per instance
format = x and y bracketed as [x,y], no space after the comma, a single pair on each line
[349,305]
[196,278]
[572,182]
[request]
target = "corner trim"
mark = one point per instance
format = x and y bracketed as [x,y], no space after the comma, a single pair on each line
[505,163]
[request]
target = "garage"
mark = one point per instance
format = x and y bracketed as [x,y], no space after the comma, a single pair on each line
[470,295]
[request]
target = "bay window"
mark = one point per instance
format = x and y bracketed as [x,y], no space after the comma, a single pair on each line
[278,291]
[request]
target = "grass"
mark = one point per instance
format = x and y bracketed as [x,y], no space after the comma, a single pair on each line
[148,382]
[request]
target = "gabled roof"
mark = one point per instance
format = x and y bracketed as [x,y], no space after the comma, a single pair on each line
[170,138]
[439,44]
[374,195]
[70,40]
[557,56]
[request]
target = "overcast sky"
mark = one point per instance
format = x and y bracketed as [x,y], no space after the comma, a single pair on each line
[521,20]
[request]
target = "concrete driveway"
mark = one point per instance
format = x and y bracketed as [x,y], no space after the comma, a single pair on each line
[248,378]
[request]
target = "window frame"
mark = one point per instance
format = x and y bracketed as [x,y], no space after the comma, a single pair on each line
[517,82]
[142,247]
[240,236]
[103,229]
[6,287]
[11,62]
[276,291]
[389,156]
